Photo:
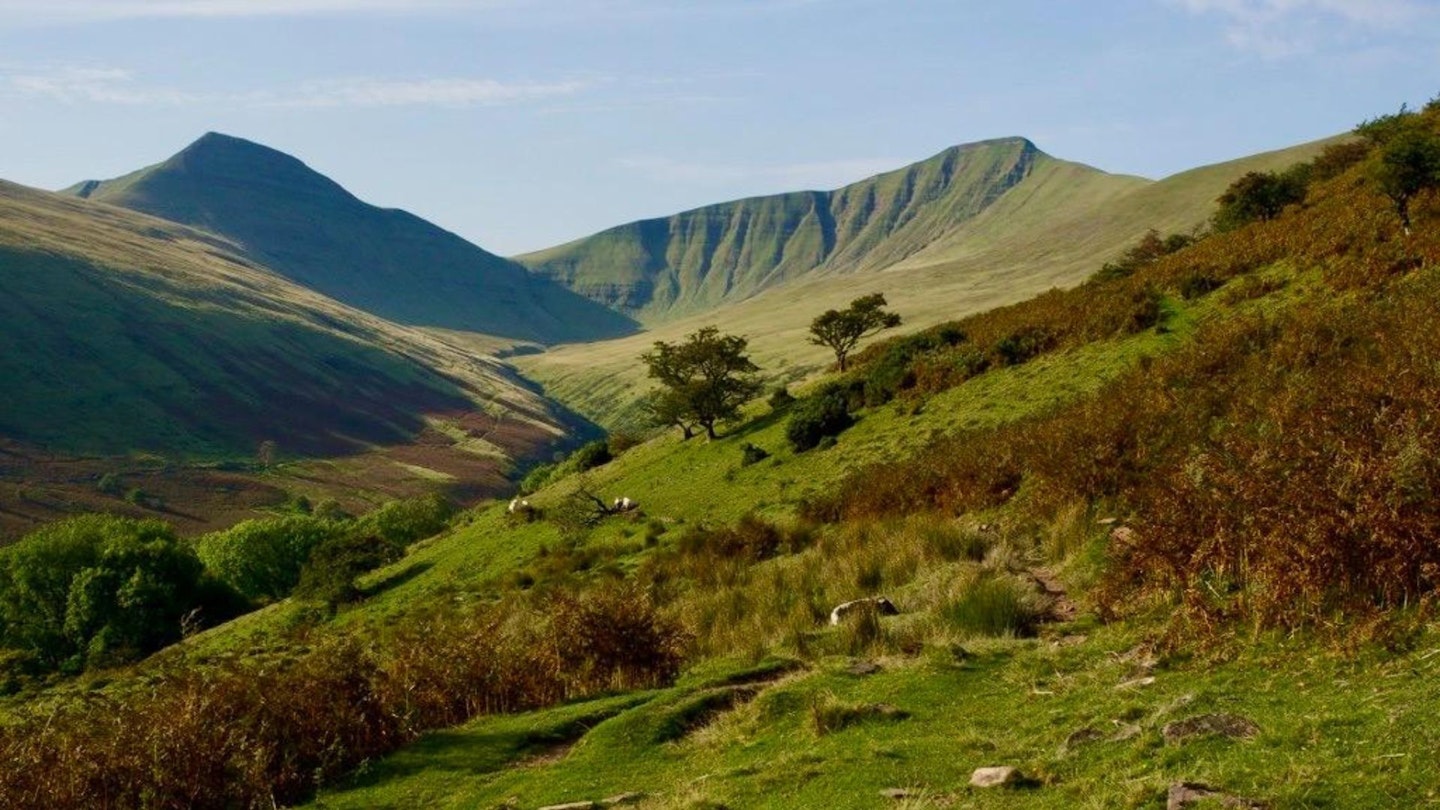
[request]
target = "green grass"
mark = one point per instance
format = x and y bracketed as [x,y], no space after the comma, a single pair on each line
[1334,732]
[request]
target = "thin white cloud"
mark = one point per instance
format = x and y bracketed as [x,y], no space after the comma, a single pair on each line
[1276,29]
[105,85]
[421,92]
[72,85]
[542,11]
[815,175]
[107,10]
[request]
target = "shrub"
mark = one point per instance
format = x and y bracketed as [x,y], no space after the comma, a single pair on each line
[590,456]
[1023,344]
[750,454]
[825,414]
[400,523]
[780,398]
[537,478]
[335,563]
[993,606]
[620,441]
[99,590]
[261,559]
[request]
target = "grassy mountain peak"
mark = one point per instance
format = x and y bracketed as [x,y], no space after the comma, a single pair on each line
[290,218]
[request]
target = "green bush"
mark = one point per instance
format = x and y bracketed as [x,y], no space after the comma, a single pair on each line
[781,398]
[590,456]
[537,478]
[330,573]
[400,523]
[750,454]
[819,416]
[98,590]
[261,559]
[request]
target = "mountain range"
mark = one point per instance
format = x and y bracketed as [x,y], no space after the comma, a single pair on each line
[231,296]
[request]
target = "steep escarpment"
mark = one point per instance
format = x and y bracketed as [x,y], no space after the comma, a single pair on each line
[661,269]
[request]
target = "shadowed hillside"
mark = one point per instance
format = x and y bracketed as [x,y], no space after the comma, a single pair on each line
[394,264]
[661,269]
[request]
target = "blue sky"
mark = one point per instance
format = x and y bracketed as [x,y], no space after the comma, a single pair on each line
[523,123]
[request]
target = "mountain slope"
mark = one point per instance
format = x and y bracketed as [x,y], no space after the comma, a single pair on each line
[290,218]
[121,333]
[1052,229]
[660,269]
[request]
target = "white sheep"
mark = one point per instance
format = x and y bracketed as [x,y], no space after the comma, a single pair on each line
[882,606]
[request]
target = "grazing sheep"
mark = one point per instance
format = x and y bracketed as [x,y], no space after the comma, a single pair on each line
[624,505]
[881,604]
[519,505]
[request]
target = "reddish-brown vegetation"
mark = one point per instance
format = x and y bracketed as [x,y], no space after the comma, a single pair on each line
[262,733]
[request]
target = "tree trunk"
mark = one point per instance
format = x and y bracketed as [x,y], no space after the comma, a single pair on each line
[842,357]
[688,431]
[710,431]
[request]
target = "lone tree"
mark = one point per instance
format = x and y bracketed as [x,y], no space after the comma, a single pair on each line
[842,330]
[706,379]
[1260,197]
[1409,164]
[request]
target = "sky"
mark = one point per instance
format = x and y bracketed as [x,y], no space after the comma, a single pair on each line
[521,124]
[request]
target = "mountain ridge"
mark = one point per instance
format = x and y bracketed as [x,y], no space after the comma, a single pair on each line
[662,268]
[387,261]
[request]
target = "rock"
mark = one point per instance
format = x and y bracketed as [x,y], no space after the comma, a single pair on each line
[620,800]
[862,668]
[1128,731]
[1232,726]
[896,793]
[1184,794]
[1083,736]
[889,711]
[881,605]
[1108,521]
[1137,683]
[1124,535]
[996,776]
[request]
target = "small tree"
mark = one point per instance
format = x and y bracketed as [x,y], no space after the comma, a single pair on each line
[842,330]
[706,379]
[1261,196]
[1409,163]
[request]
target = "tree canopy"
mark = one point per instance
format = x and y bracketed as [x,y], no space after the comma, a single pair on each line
[842,330]
[705,379]
[1261,196]
[101,589]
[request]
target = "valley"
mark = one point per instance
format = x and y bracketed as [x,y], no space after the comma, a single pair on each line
[1136,508]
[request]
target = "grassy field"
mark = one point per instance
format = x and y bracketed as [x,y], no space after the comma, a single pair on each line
[1076,712]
